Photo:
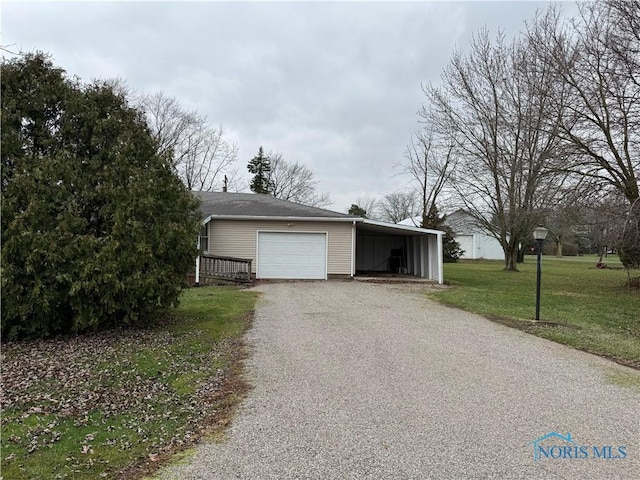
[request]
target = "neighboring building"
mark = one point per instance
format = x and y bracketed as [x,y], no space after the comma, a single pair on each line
[286,240]
[473,240]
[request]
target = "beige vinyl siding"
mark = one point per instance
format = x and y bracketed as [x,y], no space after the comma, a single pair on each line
[237,238]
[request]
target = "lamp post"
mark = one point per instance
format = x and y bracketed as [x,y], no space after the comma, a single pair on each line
[539,234]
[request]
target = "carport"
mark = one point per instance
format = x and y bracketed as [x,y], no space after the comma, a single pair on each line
[249,236]
[397,249]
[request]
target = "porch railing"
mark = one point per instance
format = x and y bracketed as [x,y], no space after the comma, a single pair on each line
[224,268]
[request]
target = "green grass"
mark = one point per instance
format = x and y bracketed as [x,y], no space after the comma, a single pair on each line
[587,308]
[150,392]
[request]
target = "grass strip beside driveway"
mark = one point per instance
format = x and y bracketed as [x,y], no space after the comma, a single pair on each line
[116,404]
[581,306]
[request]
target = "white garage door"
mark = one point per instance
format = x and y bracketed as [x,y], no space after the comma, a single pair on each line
[292,255]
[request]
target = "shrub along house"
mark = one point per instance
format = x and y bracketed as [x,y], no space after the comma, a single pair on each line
[247,235]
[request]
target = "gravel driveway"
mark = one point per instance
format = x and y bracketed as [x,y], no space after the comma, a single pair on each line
[370,381]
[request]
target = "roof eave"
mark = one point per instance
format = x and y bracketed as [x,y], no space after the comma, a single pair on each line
[364,221]
[281,218]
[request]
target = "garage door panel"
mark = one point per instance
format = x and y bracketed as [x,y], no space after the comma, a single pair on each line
[292,255]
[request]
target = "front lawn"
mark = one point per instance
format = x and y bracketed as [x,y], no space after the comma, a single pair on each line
[116,404]
[587,308]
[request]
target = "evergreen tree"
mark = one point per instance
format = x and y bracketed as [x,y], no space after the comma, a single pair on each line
[451,249]
[96,229]
[357,211]
[260,167]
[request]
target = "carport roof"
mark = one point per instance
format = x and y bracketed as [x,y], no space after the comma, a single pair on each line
[394,228]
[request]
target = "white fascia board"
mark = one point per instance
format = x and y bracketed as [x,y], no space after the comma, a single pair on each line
[396,226]
[280,219]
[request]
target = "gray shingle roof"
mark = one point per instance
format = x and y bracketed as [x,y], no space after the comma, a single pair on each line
[251,204]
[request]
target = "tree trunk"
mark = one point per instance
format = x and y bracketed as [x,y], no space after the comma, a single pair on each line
[511,257]
[559,244]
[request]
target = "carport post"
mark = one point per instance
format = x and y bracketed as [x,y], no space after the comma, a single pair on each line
[198,262]
[435,256]
[440,261]
[353,249]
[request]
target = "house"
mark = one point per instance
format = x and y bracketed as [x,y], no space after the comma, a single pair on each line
[473,240]
[286,240]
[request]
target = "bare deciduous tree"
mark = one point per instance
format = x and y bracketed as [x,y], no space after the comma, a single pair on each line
[199,153]
[503,109]
[11,49]
[209,157]
[562,218]
[596,59]
[625,39]
[397,206]
[295,182]
[603,221]
[430,161]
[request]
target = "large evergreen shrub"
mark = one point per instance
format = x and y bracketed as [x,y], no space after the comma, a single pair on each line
[96,229]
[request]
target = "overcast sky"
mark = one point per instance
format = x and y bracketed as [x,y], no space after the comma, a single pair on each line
[335,86]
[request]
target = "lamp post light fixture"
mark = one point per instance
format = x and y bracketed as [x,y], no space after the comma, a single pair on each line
[539,234]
